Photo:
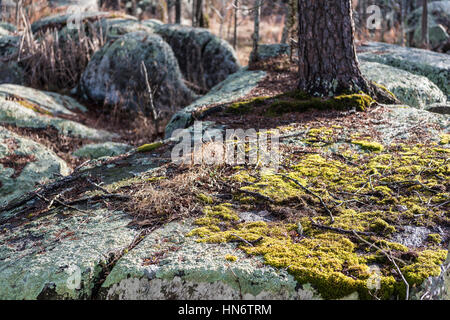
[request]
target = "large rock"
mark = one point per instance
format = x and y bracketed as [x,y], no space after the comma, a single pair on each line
[11,72]
[50,102]
[41,112]
[72,19]
[24,164]
[114,75]
[116,27]
[416,91]
[236,86]
[92,252]
[182,275]
[9,45]
[434,66]
[98,150]
[77,250]
[204,58]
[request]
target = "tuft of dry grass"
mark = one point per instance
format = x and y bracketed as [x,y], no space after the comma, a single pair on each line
[55,62]
[166,198]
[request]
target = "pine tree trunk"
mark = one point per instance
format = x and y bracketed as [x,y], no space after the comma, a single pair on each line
[236,5]
[257,15]
[178,5]
[425,37]
[327,57]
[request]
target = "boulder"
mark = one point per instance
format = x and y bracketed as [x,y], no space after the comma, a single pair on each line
[93,252]
[99,150]
[116,27]
[49,102]
[268,51]
[437,35]
[115,76]
[438,23]
[23,113]
[73,20]
[413,90]
[24,164]
[80,246]
[204,58]
[435,66]
[11,72]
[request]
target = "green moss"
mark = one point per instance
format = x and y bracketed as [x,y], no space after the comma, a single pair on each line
[231,258]
[205,198]
[360,102]
[150,147]
[384,89]
[298,101]
[381,226]
[445,139]
[434,238]
[34,107]
[368,145]
[246,106]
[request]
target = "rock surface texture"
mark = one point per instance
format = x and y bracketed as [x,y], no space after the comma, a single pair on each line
[107,81]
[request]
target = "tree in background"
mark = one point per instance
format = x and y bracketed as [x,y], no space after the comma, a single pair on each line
[327,55]
[425,36]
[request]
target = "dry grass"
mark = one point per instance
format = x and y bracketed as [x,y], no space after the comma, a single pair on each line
[165,198]
[52,62]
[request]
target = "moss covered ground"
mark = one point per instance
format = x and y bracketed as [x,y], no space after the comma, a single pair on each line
[338,217]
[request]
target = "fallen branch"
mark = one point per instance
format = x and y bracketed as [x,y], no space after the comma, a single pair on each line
[250,193]
[339,230]
[250,243]
[311,193]
[390,258]
[59,202]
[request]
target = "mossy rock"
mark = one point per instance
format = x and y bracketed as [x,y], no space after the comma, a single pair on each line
[99,150]
[435,66]
[114,77]
[26,114]
[416,91]
[204,59]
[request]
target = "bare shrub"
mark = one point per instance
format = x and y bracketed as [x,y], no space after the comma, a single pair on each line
[53,61]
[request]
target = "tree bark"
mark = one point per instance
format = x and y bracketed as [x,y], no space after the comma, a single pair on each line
[236,5]
[425,37]
[178,5]
[327,56]
[257,15]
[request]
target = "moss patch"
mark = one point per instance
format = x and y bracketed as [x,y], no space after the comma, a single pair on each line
[298,101]
[375,193]
[369,145]
[150,147]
